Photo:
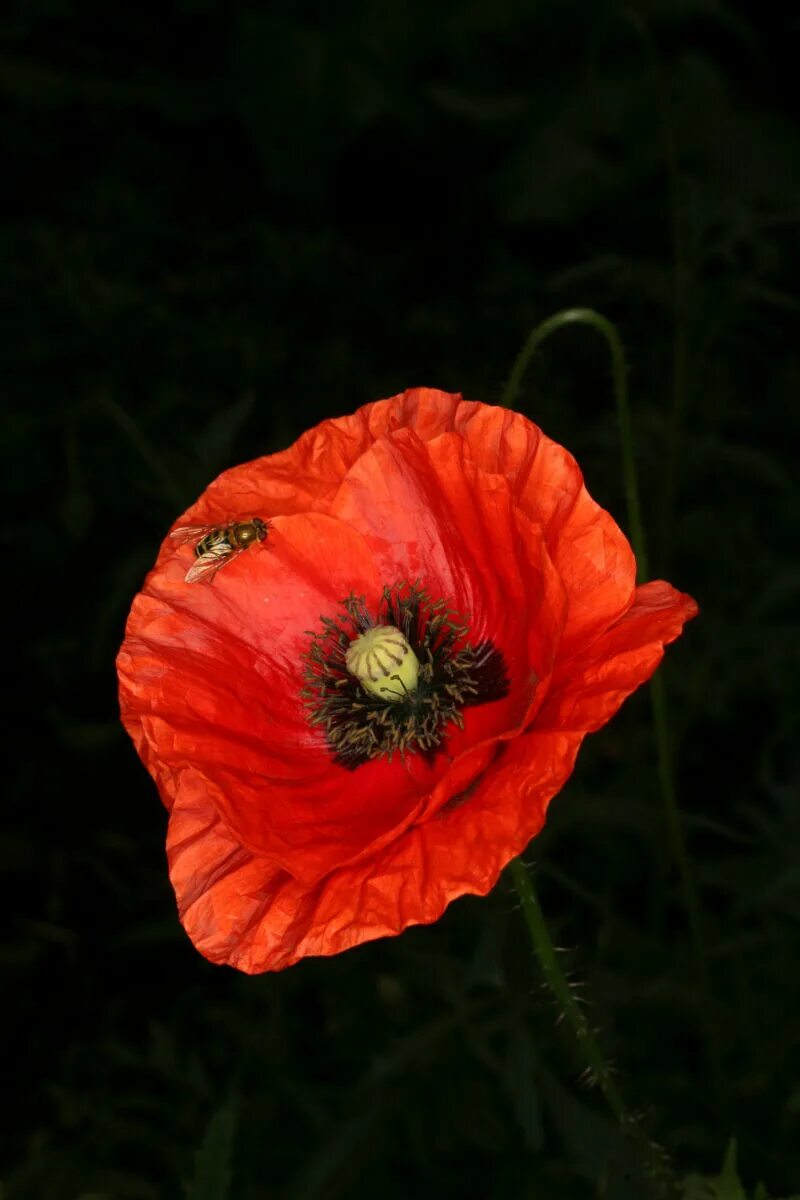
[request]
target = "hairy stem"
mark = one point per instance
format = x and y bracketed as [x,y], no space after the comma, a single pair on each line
[653,1160]
[619,373]
[666,778]
[554,977]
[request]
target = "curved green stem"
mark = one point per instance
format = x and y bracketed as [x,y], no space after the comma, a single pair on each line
[619,373]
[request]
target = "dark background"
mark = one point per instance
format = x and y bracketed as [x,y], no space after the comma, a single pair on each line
[224,223]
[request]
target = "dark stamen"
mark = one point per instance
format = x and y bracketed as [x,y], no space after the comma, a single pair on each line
[453,675]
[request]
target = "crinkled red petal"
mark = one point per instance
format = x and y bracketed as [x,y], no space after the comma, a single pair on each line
[237,909]
[587,690]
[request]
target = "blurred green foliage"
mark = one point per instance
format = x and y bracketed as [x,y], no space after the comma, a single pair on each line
[224,223]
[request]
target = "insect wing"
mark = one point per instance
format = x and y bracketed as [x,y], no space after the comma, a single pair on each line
[191,533]
[207,565]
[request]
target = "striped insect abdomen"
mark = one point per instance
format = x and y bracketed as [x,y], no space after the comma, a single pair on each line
[217,543]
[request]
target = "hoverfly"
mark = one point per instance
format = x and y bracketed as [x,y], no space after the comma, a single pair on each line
[217,545]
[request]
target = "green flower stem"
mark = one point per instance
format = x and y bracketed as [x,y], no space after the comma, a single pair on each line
[619,373]
[554,977]
[653,1160]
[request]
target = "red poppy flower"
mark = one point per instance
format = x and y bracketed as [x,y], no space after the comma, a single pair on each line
[364,715]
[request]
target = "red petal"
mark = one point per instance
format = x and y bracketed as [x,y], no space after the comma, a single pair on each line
[308,474]
[588,689]
[238,909]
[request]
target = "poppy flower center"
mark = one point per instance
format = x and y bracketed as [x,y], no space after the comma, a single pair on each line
[384,663]
[395,680]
